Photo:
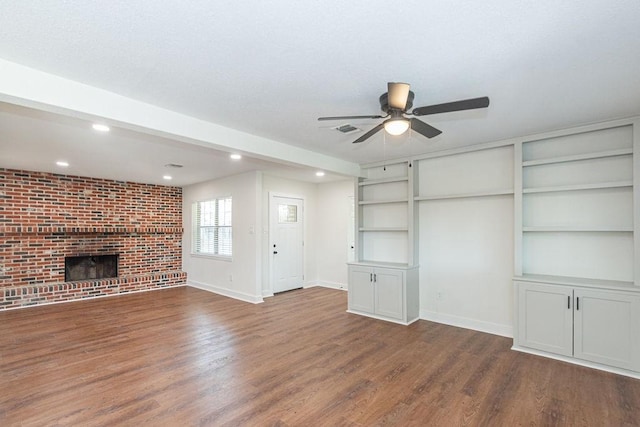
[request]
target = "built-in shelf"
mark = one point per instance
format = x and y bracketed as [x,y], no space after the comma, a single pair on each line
[465,195]
[577,229]
[371,263]
[383,180]
[384,204]
[577,187]
[576,248]
[383,229]
[577,157]
[381,202]
[579,281]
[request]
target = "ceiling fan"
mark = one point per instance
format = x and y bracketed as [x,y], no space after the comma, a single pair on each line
[397,100]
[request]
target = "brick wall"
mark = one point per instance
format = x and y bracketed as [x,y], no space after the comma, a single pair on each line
[45,217]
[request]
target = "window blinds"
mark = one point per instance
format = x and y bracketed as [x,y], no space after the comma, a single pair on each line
[212,231]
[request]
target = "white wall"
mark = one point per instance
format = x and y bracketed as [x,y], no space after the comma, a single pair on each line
[240,277]
[333,210]
[246,276]
[466,263]
[466,244]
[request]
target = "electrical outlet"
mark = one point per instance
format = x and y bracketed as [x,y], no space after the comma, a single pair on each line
[231,277]
[439,296]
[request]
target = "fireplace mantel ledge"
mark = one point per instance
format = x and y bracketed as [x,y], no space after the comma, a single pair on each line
[13,229]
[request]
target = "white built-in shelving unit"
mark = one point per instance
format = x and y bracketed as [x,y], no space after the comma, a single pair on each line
[575,197]
[383,281]
[576,235]
[385,222]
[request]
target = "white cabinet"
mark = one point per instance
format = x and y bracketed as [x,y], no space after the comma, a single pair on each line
[387,293]
[595,325]
[545,317]
[607,328]
[361,292]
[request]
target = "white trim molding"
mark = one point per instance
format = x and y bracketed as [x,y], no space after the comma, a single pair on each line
[242,296]
[325,284]
[575,361]
[464,322]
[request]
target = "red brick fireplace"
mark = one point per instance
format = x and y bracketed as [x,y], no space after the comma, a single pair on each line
[47,217]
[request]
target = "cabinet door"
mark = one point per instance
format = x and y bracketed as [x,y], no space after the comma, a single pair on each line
[361,289]
[607,328]
[545,317]
[389,293]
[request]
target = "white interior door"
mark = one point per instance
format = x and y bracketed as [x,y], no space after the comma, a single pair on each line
[286,243]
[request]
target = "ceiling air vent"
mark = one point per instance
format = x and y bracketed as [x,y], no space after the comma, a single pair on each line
[347,128]
[172,165]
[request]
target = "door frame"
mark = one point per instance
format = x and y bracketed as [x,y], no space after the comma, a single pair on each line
[270,219]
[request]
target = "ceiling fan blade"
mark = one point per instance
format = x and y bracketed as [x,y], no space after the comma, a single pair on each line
[424,129]
[466,104]
[398,94]
[368,134]
[349,117]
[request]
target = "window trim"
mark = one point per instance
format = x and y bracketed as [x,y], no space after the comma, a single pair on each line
[195,227]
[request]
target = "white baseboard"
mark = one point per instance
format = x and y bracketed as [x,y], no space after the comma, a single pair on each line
[326,284]
[386,319]
[464,322]
[254,299]
[575,361]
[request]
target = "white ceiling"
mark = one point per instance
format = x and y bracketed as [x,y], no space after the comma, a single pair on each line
[270,68]
[35,140]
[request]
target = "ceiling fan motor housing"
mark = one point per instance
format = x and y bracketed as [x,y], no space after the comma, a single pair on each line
[384,101]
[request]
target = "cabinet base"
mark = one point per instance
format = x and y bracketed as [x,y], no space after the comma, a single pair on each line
[579,362]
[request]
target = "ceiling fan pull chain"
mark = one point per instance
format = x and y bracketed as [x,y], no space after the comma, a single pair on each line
[410,136]
[384,151]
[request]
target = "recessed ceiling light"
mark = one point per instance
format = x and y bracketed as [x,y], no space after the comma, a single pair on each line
[167,177]
[100,127]
[319,173]
[62,164]
[235,157]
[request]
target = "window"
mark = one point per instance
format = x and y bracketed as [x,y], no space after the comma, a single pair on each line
[287,214]
[212,227]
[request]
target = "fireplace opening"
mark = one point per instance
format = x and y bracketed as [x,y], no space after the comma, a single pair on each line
[90,267]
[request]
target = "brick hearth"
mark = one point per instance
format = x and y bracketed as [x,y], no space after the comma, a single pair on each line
[45,217]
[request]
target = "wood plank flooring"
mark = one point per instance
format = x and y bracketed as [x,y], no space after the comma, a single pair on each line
[183,357]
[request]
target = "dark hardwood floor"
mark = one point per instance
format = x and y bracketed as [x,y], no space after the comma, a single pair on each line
[180,357]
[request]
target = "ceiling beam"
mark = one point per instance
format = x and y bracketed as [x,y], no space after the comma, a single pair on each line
[32,88]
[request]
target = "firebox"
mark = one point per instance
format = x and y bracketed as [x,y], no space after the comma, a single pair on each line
[90,267]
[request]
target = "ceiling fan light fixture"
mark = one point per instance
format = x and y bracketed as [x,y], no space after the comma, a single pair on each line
[396,126]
